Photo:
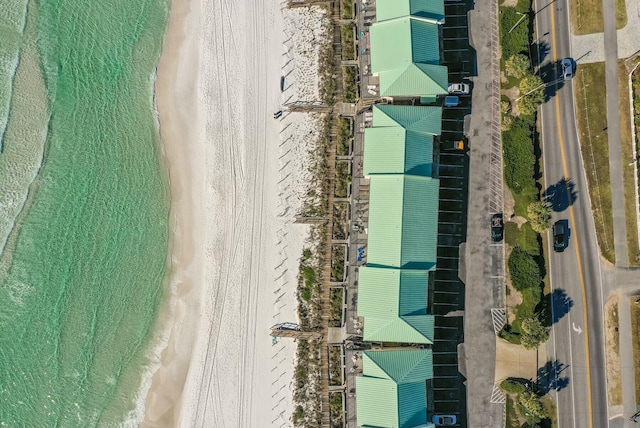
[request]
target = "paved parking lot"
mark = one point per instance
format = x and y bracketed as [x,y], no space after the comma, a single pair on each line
[449,392]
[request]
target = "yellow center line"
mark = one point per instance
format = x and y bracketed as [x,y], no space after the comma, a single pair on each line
[573,222]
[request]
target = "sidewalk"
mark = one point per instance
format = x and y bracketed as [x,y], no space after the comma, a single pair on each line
[590,47]
[515,361]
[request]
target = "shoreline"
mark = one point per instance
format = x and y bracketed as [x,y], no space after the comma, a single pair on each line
[175,106]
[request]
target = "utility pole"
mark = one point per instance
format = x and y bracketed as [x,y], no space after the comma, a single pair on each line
[516,24]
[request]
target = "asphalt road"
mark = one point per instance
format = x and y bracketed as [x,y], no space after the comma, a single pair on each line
[576,349]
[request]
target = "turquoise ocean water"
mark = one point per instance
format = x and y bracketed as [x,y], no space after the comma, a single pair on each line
[83,208]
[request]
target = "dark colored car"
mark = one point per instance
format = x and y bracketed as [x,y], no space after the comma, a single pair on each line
[444,420]
[559,236]
[497,227]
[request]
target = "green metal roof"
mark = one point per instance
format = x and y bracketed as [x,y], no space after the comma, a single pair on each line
[411,365]
[403,221]
[414,80]
[393,303]
[428,9]
[392,391]
[401,141]
[392,150]
[405,53]
[400,42]
[419,119]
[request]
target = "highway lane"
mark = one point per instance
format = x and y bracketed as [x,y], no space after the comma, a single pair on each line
[577,341]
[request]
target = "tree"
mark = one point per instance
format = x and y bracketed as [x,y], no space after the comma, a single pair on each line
[519,158]
[505,106]
[533,333]
[531,94]
[523,269]
[539,213]
[533,406]
[517,66]
[512,386]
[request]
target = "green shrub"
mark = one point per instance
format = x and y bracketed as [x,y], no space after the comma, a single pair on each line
[298,415]
[301,373]
[519,158]
[347,9]
[335,308]
[350,92]
[344,136]
[524,270]
[531,298]
[309,275]
[539,213]
[517,66]
[516,41]
[533,333]
[348,44]
[507,334]
[512,386]
[532,406]
[531,94]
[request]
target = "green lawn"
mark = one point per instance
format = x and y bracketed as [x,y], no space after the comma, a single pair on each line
[591,108]
[627,166]
[635,331]
[586,16]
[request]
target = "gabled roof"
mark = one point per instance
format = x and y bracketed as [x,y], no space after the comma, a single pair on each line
[393,303]
[392,390]
[414,80]
[411,118]
[392,150]
[428,9]
[412,365]
[405,53]
[403,221]
[400,42]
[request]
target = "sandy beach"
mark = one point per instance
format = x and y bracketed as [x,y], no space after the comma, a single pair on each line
[237,178]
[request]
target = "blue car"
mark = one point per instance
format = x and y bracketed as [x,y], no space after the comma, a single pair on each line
[444,420]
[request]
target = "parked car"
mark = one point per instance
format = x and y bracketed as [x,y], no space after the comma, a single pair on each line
[567,69]
[497,227]
[444,420]
[451,101]
[459,88]
[453,145]
[559,236]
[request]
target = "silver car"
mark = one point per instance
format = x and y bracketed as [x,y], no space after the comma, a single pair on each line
[459,88]
[567,69]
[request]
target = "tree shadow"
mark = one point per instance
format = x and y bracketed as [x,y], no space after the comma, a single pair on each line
[549,377]
[561,194]
[539,51]
[555,306]
[551,75]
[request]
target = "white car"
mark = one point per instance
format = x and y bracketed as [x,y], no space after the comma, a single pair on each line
[459,88]
[567,69]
